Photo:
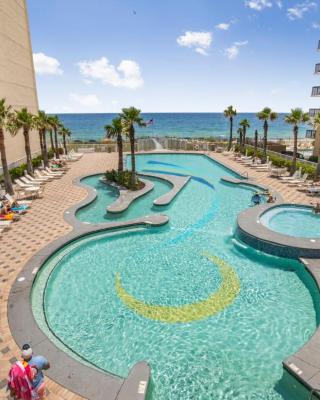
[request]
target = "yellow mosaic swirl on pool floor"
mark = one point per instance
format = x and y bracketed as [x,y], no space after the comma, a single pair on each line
[215,303]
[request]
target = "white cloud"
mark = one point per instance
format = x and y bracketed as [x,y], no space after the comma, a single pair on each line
[279,3]
[258,5]
[298,11]
[45,65]
[316,25]
[199,41]
[127,74]
[223,26]
[87,100]
[232,52]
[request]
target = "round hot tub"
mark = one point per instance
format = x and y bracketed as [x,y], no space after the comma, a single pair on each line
[292,220]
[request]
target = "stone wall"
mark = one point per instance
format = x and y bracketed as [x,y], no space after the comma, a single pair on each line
[17,77]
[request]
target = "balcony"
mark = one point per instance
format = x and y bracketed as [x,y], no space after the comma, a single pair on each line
[315,91]
[313,112]
[310,133]
[317,69]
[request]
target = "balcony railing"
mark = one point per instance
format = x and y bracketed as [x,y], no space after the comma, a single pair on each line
[317,69]
[315,91]
[313,112]
[311,133]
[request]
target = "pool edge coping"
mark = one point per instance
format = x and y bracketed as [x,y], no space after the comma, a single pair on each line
[23,291]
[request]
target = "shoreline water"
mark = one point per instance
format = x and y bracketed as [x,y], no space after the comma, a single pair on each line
[180,125]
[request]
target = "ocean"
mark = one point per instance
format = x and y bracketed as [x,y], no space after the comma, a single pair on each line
[191,125]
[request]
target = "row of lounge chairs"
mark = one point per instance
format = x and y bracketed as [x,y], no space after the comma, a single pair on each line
[28,186]
[298,179]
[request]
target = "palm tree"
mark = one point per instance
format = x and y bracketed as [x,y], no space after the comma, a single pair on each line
[316,125]
[230,113]
[129,118]
[296,117]
[55,125]
[5,113]
[115,131]
[41,122]
[266,115]
[22,119]
[245,124]
[65,132]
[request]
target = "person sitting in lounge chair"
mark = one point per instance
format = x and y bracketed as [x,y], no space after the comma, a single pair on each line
[6,214]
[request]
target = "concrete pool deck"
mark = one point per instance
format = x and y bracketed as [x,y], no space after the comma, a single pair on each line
[45,223]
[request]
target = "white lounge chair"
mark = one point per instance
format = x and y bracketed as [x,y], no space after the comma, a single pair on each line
[44,177]
[72,153]
[264,167]
[296,175]
[34,191]
[30,183]
[52,172]
[13,200]
[35,180]
[299,181]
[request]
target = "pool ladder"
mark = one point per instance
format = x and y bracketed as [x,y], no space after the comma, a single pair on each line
[314,391]
[245,175]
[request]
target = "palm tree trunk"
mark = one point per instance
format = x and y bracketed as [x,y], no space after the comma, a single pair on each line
[41,143]
[255,143]
[133,159]
[5,169]
[244,136]
[28,151]
[230,136]
[65,144]
[45,150]
[295,149]
[318,168]
[265,137]
[120,151]
[56,149]
[51,141]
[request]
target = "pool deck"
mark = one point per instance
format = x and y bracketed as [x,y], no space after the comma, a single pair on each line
[46,222]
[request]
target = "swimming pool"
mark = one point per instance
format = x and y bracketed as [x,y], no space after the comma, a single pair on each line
[213,317]
[298,221]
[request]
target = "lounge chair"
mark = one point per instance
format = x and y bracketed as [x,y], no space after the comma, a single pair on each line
[44,177]
[53,173]
[29,182]
[295,176]
[264,167]
[75,154]
[313,190]
[31,190]
[299,181]
[12,200]
[35,180]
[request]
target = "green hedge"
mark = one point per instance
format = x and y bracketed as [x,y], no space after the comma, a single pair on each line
[281,162]
[17,172]
[122,178]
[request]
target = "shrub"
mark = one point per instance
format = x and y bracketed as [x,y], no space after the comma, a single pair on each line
[313,159]
[122,178]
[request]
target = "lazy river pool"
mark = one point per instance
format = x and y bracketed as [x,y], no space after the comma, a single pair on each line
[214,318]
[298,221]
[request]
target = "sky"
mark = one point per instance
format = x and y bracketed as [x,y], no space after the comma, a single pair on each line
[175,55]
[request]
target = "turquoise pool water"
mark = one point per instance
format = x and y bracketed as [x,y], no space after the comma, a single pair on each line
[96,211]
[293,221]
[118,298]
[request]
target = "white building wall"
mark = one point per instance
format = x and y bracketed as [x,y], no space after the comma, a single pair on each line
[17,77]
